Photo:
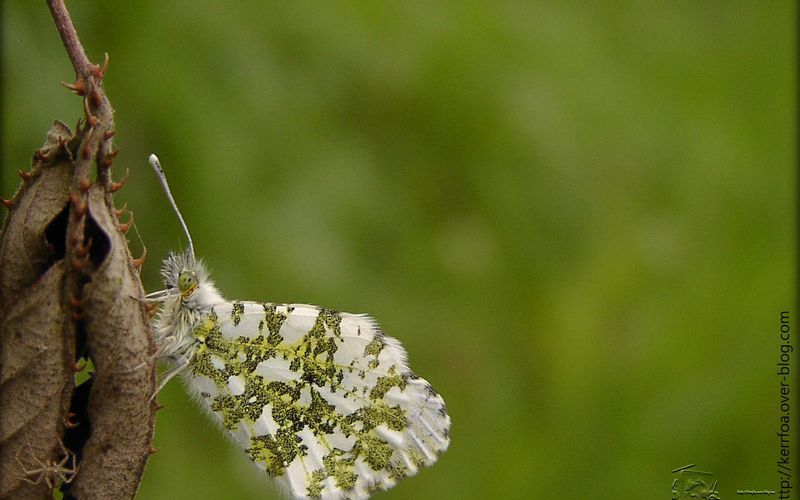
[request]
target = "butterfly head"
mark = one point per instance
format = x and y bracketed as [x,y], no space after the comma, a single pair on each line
[187,282]
[183,275]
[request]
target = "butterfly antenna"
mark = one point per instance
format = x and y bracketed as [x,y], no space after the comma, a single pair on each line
[162,178]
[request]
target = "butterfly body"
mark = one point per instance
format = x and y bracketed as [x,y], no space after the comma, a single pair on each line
[323,401]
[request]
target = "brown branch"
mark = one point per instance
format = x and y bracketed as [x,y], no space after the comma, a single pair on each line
[70,38]
[99,114]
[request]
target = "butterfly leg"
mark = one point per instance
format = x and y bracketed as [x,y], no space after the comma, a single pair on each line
[160,295]
[182,363]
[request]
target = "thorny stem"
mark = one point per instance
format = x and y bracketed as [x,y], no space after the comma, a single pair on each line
[98,121]
[96,144]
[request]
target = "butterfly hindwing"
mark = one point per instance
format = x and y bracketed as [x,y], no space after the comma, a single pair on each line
[323,401]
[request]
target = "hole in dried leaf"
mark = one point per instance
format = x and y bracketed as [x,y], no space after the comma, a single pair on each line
[100,243]
[56,235]
[75,438]
[94,237]
[80,342]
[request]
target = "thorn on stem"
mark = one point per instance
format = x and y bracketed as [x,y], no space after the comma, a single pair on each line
[82,253]
[124,228]
[91,121]
[25,175]
[120,212]
[152,450]
[116,186]
[85,184]
[79,367]
[86,150]
[75,304]
[99,71]
[40,155]
[109,158]
[79,87]
[7,203]
[94,98]
[78,207]
[69,424]
[82,250]
[139,262]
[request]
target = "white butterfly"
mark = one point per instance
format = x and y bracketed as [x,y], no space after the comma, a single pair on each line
[323,401]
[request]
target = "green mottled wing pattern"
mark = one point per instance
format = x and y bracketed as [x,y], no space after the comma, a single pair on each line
[323,401]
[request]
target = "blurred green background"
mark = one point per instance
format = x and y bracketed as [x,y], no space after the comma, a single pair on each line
[578,218]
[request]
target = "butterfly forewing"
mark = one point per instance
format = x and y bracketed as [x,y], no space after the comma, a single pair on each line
[323,401]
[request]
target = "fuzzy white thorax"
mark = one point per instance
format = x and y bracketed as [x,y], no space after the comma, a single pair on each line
[180,311]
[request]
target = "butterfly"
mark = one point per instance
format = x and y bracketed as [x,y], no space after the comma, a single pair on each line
[323,401]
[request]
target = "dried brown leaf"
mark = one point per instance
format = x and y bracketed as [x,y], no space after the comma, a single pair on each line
[36,343]
[35,384]
[25,252]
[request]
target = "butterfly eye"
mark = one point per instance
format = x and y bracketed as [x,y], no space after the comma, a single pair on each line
[187,282]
